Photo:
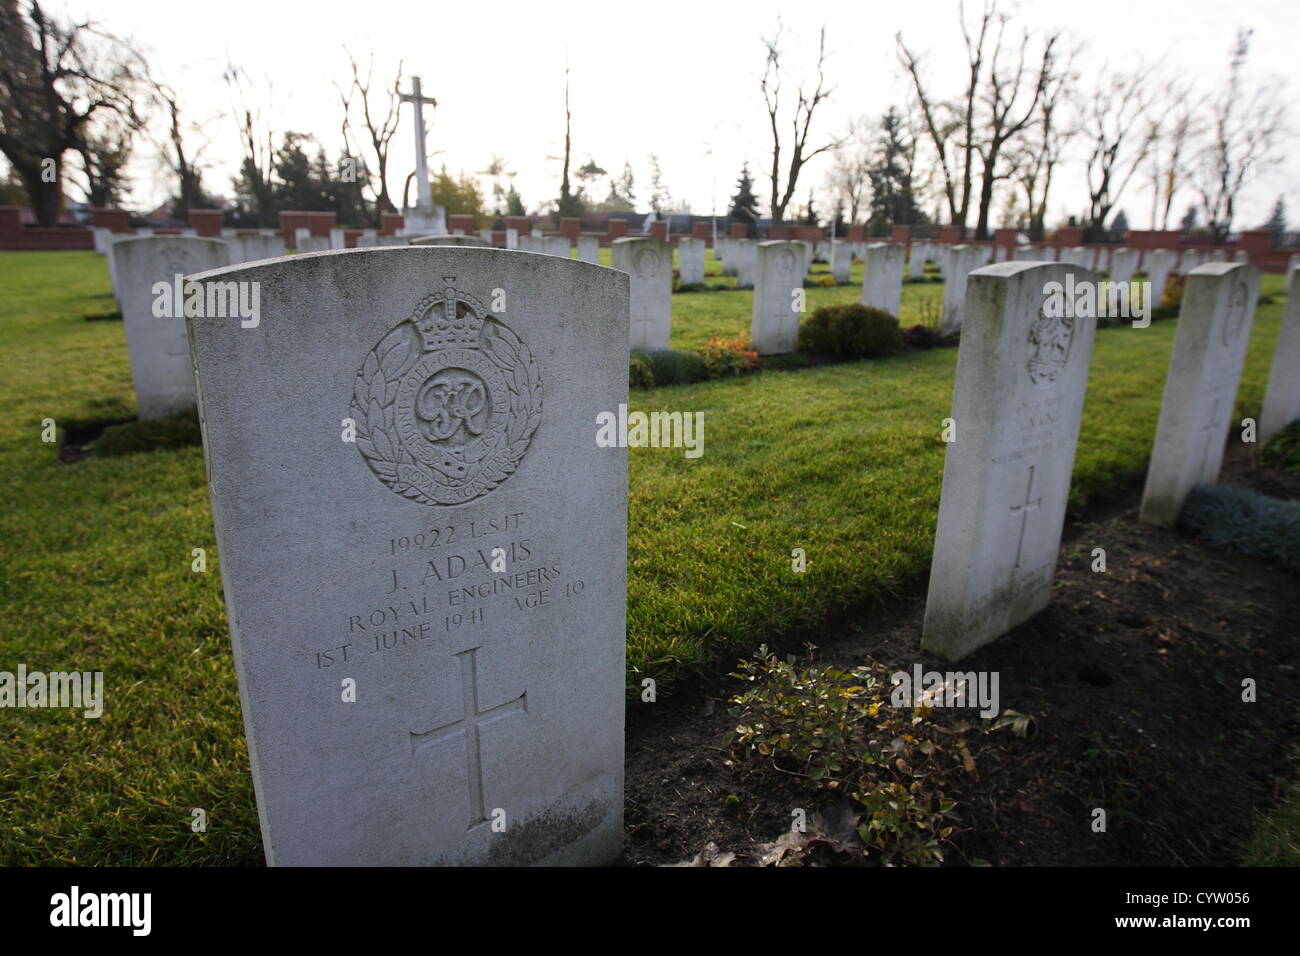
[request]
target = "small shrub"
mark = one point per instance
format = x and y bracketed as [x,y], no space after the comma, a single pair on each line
[1238,519]
[641,373]
[850,332]
[840,732]
[725,358]
[921,337]
[1283,449]
[671,367]
[1171,301]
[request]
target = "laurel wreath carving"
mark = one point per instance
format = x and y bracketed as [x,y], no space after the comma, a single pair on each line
[374,397]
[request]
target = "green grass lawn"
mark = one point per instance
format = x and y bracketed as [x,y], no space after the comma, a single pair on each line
[844,461]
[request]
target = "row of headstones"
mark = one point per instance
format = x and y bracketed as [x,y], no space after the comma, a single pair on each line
[1022,372]
[428,610]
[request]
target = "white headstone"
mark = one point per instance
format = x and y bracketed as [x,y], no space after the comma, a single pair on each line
[649,265]
[486,236]
[958,263]
[247,248]
[452,240]
[512,238]
[1028,254]
[557,246]
[1282,400]
[690,260]
[1022,370]
[841,256]
[102,238]
[916,259]
[1241,256]
[299,235]
[779,270]
[1123,264]
[380,240]
[313,244]
[1219,255]
[427,622]
[743,254]
[1159,264]
[1196,410]
[882,276]
[531,244]
[337,238]
[589,249]
[159,354]
[727,256]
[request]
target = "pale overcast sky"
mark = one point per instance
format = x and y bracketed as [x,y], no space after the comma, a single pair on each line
[676,79]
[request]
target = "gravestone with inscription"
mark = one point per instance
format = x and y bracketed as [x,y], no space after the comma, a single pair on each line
[958,263]
[744,253]
[842,261]
[155,328]
[690,260]
[779,272]
[1159,264]
[649,265]
[1022,370]
[588,249]
[1196,410]
[882,276]
[427,606]
[1282,399]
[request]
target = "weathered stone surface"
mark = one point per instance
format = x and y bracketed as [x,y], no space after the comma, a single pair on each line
[1282,400]
[1196,411]
[1022,370]
[155,328]
[882,276]
[428,621]
[779,272]
[649,265]
[690,260]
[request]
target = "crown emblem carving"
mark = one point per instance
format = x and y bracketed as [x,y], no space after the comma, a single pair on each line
[449,319]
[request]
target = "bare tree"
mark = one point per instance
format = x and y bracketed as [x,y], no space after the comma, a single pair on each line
[180,153]
[1117,122]
[256,135]
[1168,159]
[1040,149]
[1002,122]
[850,175]
[943,121]
[805,106]
[379,129]
[56,80]
[1245,128]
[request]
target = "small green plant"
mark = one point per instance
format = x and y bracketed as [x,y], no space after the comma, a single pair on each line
[1238,519]
[148,434]
[724,358]
[839,731]
[641,373]
[1171,300]
[1283,449]
[672,367]
[850,332]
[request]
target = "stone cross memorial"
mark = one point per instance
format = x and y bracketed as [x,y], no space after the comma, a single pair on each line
[426,602]
[649,264]
[882,276]
[1022,370]
[148,271]
[1282,400]
[1196,410]
[779,271]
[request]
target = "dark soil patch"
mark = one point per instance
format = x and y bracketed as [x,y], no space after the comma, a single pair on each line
[1133,679]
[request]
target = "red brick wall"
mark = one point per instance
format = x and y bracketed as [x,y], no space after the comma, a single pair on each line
[320,224]
[617,229]
[390,222]
[207,222]
[702,230]
[571,227]
[468,224]
[119,220]
[739,230]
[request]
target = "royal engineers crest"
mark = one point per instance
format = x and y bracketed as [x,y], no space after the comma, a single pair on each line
[447,402]
[1050,338]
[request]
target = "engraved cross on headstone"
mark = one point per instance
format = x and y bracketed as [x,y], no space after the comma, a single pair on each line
[1024,509]
[424,193]
[469,727]
[1208,430]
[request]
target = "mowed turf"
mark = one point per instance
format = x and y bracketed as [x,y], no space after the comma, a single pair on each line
[843,461]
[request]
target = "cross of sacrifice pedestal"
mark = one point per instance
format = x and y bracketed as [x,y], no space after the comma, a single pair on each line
[469,727]
[424,193]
